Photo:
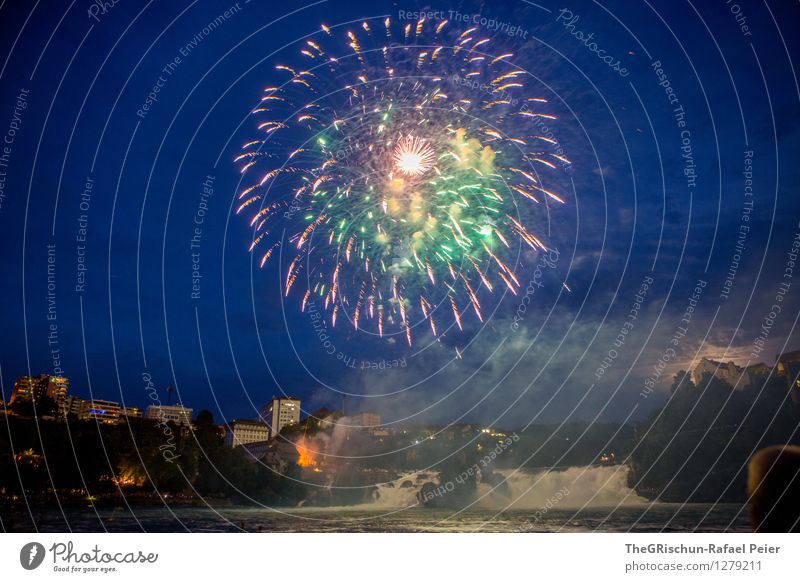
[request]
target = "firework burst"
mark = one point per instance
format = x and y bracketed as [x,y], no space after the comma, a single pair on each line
[413,156]
[401,163]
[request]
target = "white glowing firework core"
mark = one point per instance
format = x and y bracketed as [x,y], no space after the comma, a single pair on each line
[413,156]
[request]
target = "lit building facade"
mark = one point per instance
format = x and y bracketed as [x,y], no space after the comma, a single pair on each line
[788,365]
[280,412]
[33,388]
[130,412]
[102,411]
[177,413]
[244,432]
[72,406]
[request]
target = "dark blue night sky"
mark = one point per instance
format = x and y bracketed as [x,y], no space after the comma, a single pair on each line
[660,193]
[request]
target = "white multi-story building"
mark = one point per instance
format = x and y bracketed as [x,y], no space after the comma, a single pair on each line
[244,432]
[176,413]
[280,412]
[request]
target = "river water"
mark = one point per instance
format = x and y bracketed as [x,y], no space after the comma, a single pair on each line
[575,499]
[640,518]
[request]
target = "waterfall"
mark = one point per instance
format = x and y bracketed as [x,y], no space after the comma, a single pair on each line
[403,491]
[517,489]
[569,488]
